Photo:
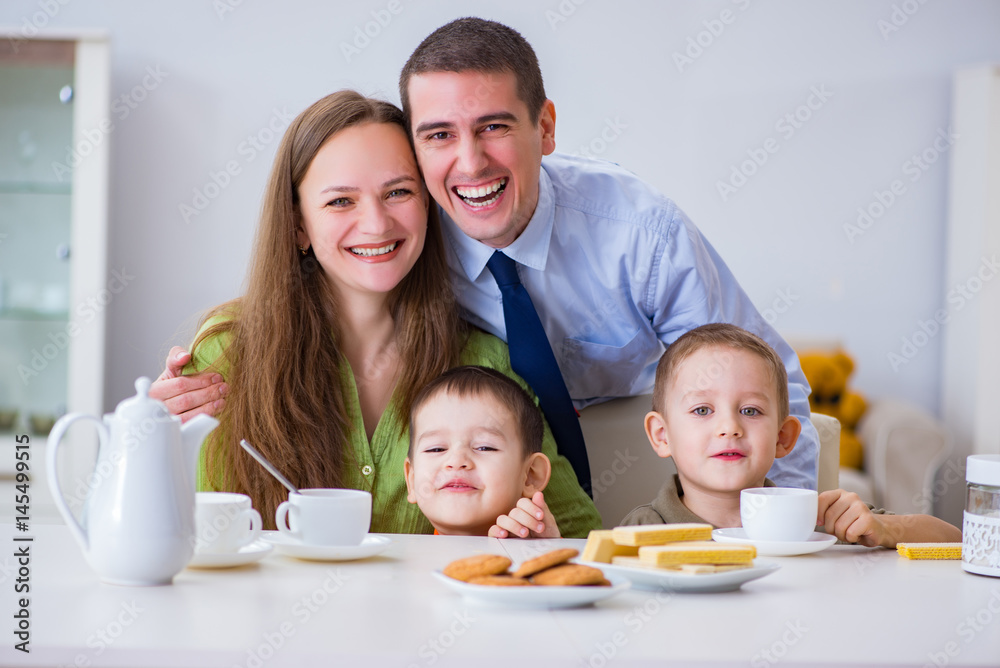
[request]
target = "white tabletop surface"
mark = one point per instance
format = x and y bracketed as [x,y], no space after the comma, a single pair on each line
[845,605]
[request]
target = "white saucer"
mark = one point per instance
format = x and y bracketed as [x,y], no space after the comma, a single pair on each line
[773,548]
[538,598]
[369,547]
[248,554]
[660,579]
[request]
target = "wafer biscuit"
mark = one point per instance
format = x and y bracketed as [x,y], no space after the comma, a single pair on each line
[636,562]
[658,534]
[701,569]
[631,562]
[930,550]
[601,547]
[696,552]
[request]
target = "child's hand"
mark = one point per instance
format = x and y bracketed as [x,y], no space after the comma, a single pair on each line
[846,516]
[530,518]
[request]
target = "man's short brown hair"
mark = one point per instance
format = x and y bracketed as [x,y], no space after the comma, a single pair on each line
[725,335]
[480,381]
[476,45]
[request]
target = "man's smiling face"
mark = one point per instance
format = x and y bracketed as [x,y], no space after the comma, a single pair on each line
[479,150]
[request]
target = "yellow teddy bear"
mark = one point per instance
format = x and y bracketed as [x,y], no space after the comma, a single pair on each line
[827,374]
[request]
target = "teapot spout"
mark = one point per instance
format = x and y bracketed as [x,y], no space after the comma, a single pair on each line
[193,434]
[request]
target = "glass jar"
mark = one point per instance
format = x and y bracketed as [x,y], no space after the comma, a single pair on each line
[981,521]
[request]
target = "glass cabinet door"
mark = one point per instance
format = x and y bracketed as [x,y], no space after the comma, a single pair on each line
[36,133]
[54,96]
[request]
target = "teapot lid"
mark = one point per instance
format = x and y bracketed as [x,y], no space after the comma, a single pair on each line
[141,406]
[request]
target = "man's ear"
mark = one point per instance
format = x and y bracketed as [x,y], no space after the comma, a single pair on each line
[408,474]
[537,471]
[787,435]
[656,432]
[547,123]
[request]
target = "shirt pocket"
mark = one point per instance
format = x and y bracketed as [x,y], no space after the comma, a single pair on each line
[603,370]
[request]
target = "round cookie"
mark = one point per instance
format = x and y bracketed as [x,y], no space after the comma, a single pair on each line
[481,564]
[569,575]
[500,581]
[547,560]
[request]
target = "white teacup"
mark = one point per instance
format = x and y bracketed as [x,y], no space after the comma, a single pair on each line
[339,517]
[224,522]
[784,514]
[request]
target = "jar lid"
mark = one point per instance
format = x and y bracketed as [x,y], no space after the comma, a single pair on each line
[983,470]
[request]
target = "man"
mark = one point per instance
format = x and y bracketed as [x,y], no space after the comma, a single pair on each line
[614,270]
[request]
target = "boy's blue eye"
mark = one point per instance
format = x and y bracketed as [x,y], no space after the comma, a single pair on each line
[486,448]
[436,448]
[750,411]
[702,410]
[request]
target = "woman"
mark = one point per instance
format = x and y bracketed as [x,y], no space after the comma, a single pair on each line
[347,314]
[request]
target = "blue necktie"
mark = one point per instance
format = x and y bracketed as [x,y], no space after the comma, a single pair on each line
[531,358]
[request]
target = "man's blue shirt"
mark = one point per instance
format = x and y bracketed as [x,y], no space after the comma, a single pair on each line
[617,272]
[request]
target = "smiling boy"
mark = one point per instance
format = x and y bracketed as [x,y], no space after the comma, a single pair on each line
[475,465]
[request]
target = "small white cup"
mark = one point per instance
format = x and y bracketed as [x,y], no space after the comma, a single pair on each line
[224,522]
[339,517]
[784,514]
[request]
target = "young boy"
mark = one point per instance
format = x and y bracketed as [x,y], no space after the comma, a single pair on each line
[721,411]
[475,465]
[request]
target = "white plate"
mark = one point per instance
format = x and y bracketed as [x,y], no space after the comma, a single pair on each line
[369,547]
[774,548]
[658,579]
[247,554]
[532,597]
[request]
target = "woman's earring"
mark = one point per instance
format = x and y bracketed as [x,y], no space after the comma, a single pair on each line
[304,250]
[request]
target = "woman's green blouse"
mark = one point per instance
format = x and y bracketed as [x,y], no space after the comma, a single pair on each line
[378,465]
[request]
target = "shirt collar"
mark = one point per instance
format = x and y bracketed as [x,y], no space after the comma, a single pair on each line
[531,248]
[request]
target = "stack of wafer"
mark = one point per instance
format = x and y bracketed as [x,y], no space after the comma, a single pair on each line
[687,548]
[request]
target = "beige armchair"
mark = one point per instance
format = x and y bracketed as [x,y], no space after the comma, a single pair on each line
[625,471]
[904,448]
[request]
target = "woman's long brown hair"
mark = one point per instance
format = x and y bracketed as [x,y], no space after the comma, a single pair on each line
[285,391]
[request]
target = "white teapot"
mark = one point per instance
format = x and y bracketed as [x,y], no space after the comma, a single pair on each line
[138,524]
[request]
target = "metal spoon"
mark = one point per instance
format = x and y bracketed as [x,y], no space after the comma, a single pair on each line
[269,466]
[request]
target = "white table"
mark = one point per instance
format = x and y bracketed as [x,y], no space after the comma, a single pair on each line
[843,605]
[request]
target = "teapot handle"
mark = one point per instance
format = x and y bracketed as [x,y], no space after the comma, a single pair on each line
[55,437]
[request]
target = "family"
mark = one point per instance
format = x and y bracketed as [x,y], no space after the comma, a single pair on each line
[400,252]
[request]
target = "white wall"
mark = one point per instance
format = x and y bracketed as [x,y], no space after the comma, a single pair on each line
[198,81]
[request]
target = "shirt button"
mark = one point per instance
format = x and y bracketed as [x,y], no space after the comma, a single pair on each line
[367,469]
